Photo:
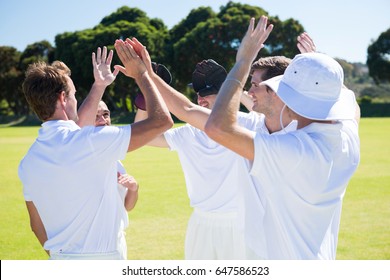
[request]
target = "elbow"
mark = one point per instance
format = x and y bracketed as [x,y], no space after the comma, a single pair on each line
[129,208]
[213,129]
[164,122]
[168,121]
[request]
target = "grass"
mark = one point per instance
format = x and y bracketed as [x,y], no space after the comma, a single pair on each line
[158,223]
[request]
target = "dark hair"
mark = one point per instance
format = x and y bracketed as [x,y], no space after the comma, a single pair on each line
[273,66]
[41,87]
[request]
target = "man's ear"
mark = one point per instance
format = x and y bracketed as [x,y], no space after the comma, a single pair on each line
[62,98]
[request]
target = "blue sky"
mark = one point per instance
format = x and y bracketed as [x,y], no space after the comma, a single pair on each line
[340,28]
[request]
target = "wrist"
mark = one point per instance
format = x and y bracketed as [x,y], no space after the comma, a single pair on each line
[133,189]
[99,86]
[141,76]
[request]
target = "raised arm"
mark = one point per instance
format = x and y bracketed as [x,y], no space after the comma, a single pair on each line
[222,124]
[159,118]
[103,77]
[178,104]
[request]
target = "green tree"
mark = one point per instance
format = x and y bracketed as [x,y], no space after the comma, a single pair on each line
[378,58]
[204,34]
[11,77]
[75,50]
[42,51]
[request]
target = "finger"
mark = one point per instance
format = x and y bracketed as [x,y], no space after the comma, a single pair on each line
[147,60]
[110,56]
[269,29]
[251,25]
[116,71]
[104,54]
[132,43]
[131,50]
[99,56]
[138,46]
[301,48]
[119,68]
[122,51]
[94,59]
[261,25]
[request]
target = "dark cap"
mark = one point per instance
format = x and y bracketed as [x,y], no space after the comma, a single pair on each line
[208,77]
[163,73]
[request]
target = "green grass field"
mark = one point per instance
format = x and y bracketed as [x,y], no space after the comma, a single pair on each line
[158,223]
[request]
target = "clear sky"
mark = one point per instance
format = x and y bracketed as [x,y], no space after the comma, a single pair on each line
[340,28]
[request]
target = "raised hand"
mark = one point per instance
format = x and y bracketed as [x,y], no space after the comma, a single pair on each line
[133,65]
[254,39]
[102,67]
[142,52]
[305,43]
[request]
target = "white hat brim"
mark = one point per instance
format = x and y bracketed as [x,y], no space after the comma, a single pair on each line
[343,108]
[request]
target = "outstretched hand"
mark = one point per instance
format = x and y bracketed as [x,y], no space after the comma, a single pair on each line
[134,67]
[305,43]
[254,39]
[142,52]
[102,67]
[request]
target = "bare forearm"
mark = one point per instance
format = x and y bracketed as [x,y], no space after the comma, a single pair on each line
[222,125]
[88,109]
[181,106]
[155,105]
[131,199]
[159,119]
[224,113]
[159,141]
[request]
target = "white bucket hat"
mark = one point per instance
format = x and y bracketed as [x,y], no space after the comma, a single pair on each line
[312,86]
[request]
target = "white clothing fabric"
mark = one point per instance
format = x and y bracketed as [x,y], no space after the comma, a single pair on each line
[212,181]
[254,201]
[214,236]
[304,175]
[70,175]
[209,168]
[79,257]
[124,222]
[121,189]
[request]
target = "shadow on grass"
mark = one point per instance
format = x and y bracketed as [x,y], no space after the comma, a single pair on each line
[27,120]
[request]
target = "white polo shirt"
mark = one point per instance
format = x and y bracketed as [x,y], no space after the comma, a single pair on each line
[210,169]
[304,175]
[70,174]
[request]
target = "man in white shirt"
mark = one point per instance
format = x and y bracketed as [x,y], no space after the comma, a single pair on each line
[214,230]
[69,174]
[302,174]
[215,176]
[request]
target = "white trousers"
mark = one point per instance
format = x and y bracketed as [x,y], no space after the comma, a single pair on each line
[214,236]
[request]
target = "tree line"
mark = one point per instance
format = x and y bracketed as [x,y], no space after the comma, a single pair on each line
[201,35]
